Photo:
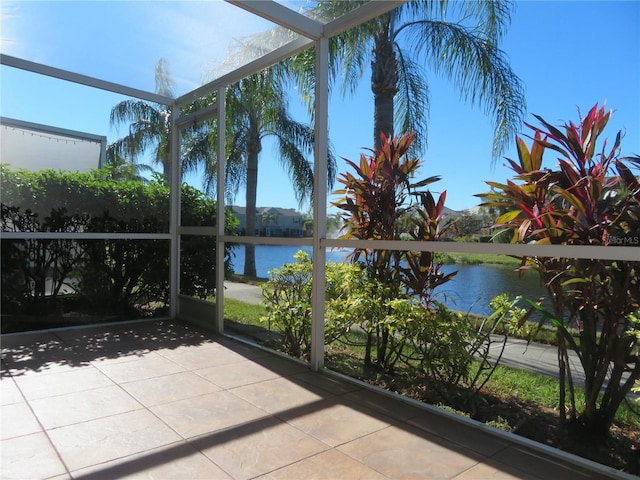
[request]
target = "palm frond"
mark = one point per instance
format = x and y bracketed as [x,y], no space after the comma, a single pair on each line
[478,69]
[132,111]
[412,101]
[492,17]
[298,169]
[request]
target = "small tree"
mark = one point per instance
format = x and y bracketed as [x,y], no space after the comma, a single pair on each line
[374,199]
[590,198]
[287,295]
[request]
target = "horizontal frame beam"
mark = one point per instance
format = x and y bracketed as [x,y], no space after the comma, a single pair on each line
[82,236]
[359,15]
[595,252]
[302,242]
[200,231]
[250,68]
[281,15]
[80,79]
[199,116]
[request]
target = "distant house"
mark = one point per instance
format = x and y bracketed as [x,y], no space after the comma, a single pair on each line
[271,221]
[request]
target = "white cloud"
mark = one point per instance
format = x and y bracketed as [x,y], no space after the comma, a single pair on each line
[9,18]
[121,41]
[197,36]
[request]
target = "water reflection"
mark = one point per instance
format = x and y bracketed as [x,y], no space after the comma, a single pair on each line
[470,290]
[474,286]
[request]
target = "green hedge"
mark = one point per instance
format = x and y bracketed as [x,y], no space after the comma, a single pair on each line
[128,277]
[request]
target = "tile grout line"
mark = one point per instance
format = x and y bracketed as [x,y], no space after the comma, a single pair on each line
[44,430]
[142,407]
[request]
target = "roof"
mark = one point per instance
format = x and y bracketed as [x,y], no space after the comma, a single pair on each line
[287,212]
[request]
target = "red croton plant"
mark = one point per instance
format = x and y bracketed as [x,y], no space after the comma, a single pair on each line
[589,197]
[381,201]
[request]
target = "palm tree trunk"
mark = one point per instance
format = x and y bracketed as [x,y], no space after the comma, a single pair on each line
[384,81]
[254,148]
[166,148]
[166,172]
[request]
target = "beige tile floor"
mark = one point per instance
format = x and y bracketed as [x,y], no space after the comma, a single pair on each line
[165,400]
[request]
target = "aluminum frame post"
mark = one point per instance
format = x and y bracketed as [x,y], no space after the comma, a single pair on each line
[174,215]
[320,203]
[220,221]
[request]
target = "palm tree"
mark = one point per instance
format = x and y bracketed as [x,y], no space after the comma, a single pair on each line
[122,169]
[397,43]
[149,126]
[269,218]
[256,108]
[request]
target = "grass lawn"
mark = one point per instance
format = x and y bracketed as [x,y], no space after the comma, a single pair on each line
[245,313]
[476,259]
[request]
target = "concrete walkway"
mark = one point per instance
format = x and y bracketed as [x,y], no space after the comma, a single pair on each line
[164,400]
[243,292]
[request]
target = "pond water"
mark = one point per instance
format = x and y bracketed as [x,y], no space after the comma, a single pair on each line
[470,290]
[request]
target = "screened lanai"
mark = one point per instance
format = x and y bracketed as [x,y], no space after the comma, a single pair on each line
[289,32]
[197,404]
[193,33]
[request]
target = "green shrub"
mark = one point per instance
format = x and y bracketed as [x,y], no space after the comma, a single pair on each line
[287,295]
[107,273]
[439,339]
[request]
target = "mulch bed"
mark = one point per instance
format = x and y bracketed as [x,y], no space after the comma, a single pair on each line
[619,450]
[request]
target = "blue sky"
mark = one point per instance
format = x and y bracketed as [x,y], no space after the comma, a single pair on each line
[569,55]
